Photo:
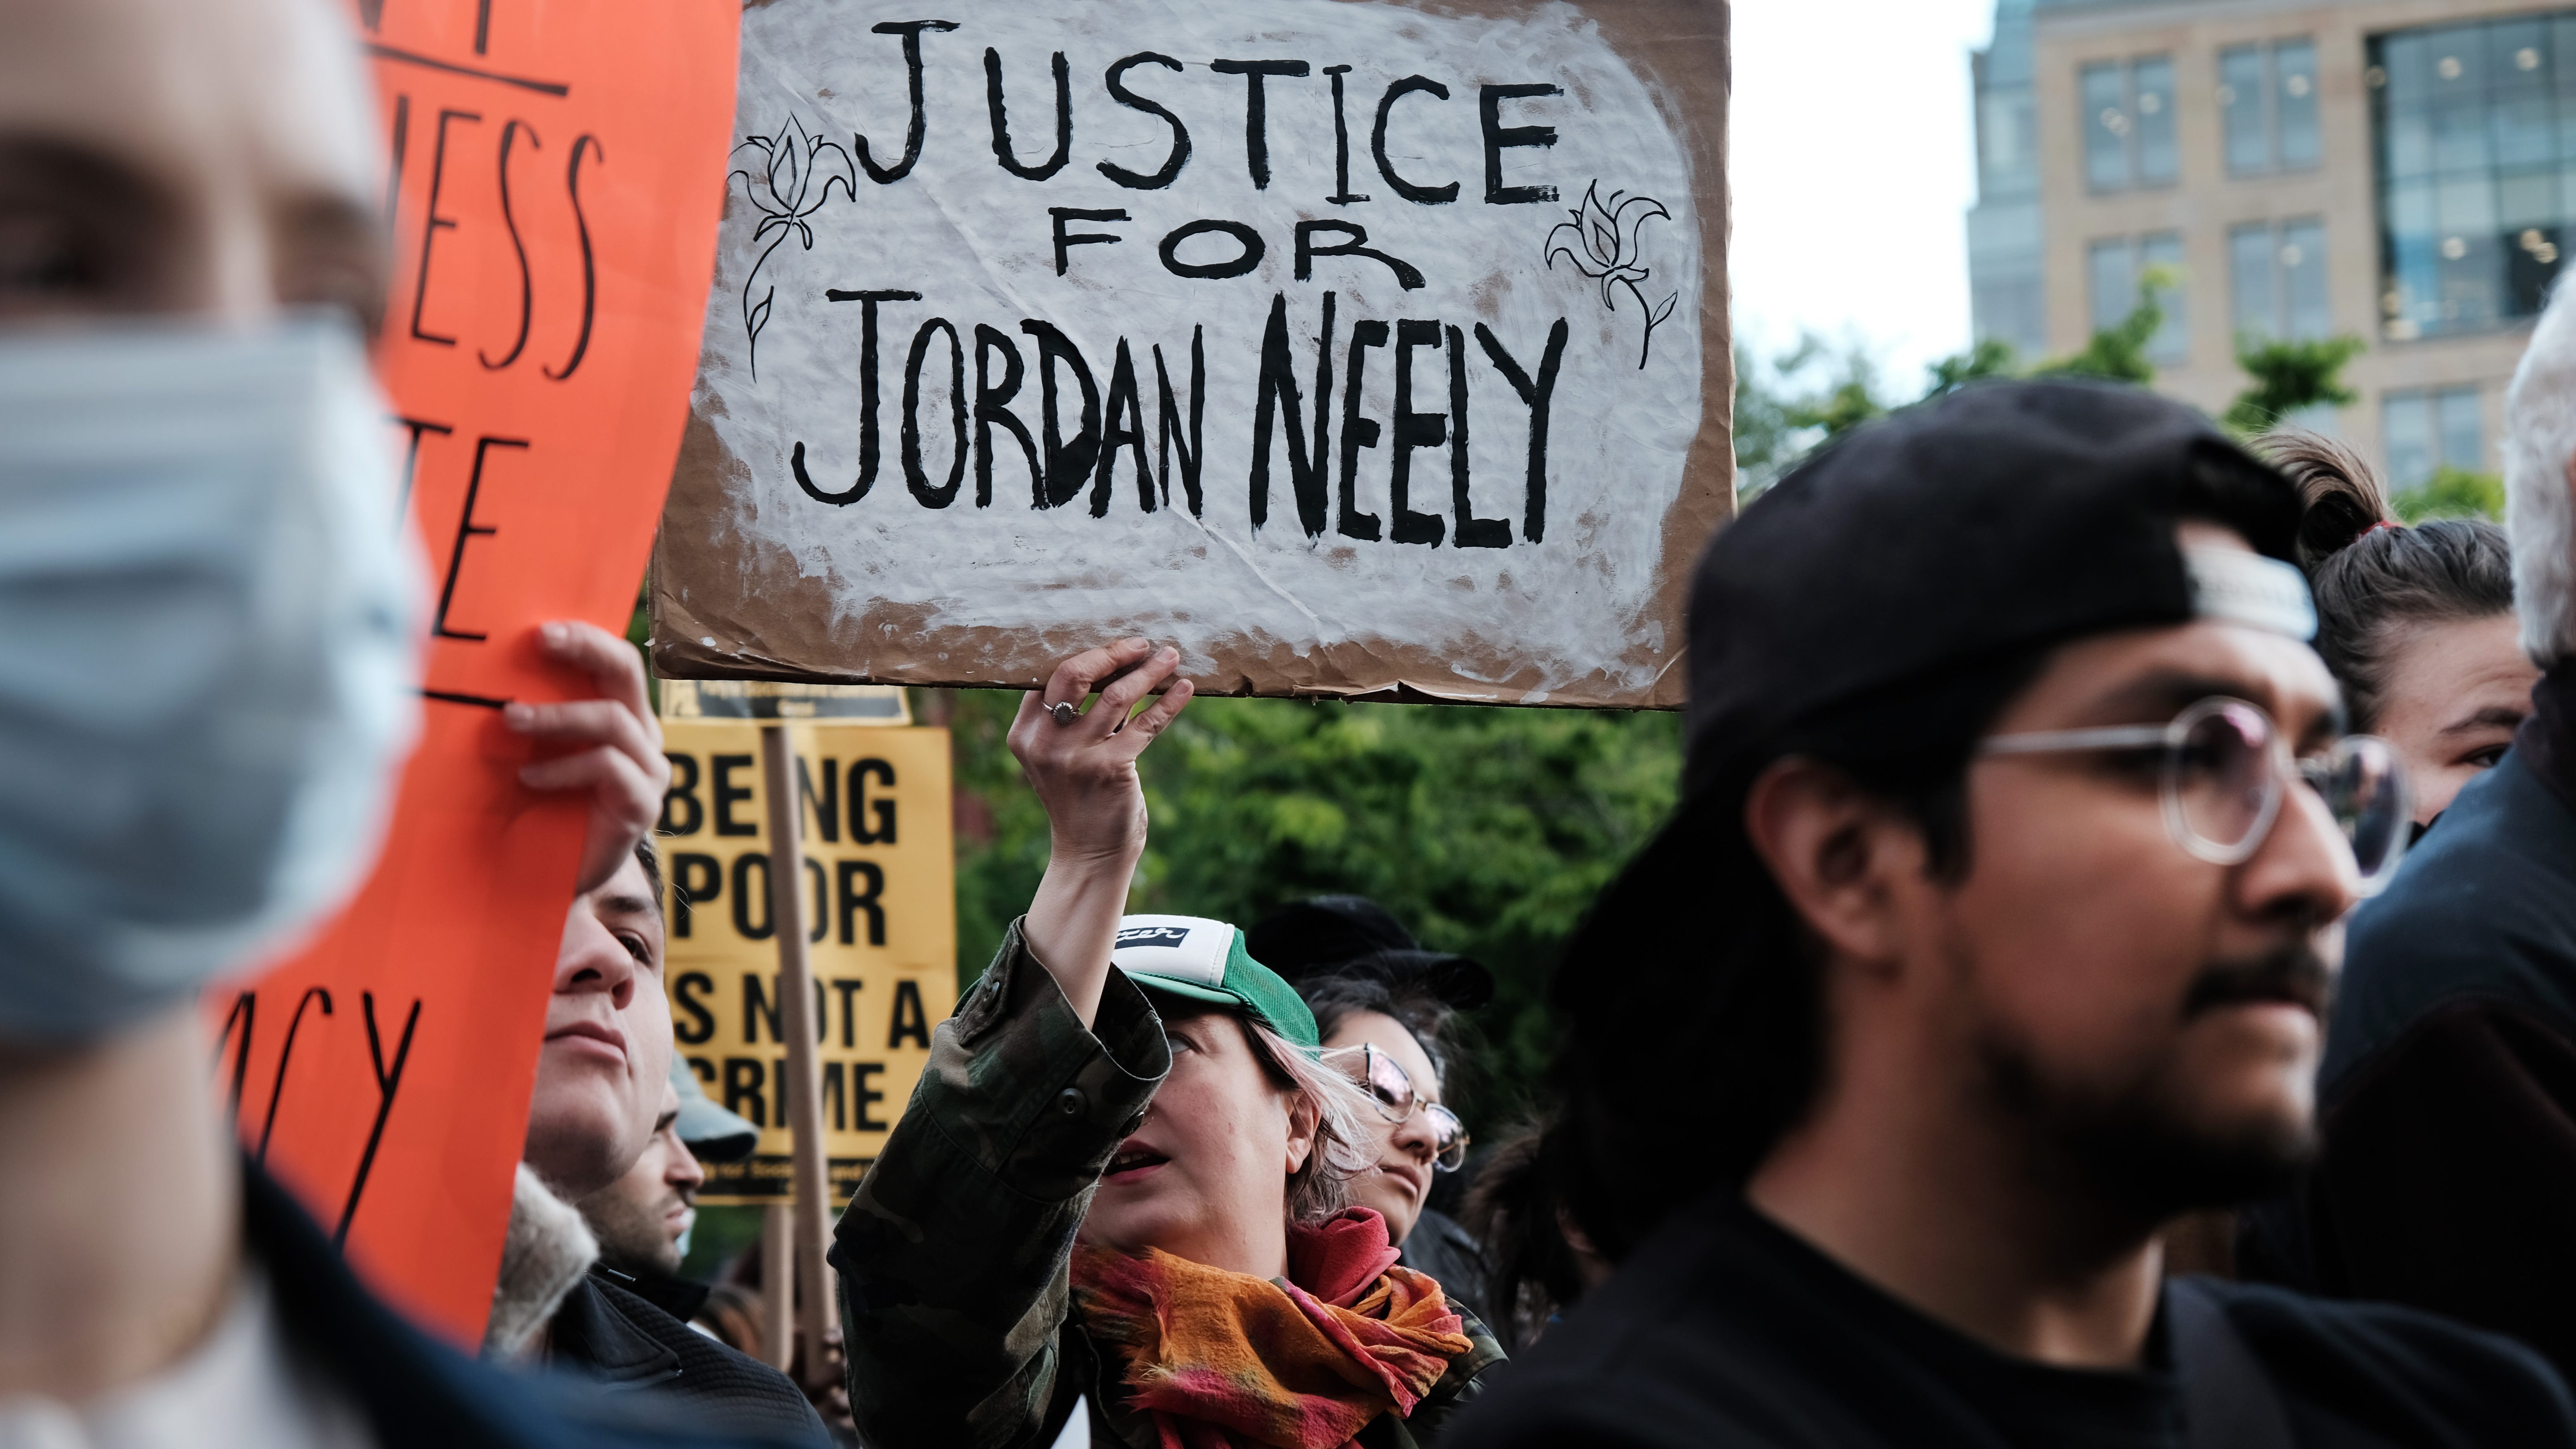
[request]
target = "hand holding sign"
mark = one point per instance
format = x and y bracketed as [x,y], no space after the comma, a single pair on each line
[1084,772]
[617,756]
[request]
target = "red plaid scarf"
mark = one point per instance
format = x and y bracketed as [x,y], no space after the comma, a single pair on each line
[1228,1361]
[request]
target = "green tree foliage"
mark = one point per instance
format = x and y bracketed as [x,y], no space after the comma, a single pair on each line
[2289,377]
[1785,405]
[2452,493]
[1990,357]
[1789,405]
[1487,830]
[2119,352]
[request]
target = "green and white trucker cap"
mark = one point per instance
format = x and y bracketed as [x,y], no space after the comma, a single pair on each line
[1197,959]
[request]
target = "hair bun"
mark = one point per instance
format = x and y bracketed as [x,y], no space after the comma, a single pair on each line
[2340,497]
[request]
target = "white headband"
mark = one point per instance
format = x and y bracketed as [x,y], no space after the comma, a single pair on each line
[2243,587]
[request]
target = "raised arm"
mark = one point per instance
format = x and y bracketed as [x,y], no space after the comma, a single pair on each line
[953,1253]
[1084,772]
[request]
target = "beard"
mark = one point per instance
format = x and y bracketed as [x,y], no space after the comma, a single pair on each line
[2147,1146]
[633,1236]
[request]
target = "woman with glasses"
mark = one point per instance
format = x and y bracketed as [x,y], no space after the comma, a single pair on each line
[1116,1210]
[1385,1041]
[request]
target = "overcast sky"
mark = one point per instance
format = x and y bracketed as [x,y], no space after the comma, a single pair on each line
[1853,164]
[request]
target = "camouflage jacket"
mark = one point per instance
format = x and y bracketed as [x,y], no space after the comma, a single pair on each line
[955,1253]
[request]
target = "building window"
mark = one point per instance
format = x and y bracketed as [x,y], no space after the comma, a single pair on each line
[2129,123]
[2004,273]
[2267,107]
[2277,275]
[2119,265]
[2425,430]
[2472,125]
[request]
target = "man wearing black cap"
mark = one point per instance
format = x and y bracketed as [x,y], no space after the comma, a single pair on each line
[1993,934]
[1373,988]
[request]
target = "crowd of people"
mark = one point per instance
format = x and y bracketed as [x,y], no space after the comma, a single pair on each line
[2105,846]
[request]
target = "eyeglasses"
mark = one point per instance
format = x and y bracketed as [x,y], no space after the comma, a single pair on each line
[1390,1089]
[2225,770]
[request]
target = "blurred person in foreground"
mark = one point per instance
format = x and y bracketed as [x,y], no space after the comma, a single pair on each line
[1993,934]
[1386,1009]
[2415,621]
[603,1104]
[2447,1178]
[1115,1207]
[208,681]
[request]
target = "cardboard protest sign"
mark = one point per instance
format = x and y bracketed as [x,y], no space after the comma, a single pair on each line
[882,930]
[552,172]
[1355,346]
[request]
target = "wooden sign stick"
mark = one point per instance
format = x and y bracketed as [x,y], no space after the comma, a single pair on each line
[804,1087]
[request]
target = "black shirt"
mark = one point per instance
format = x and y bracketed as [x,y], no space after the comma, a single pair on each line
[1450,1255]
[1725,1329]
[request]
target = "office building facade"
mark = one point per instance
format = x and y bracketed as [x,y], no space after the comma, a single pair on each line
[2402,171]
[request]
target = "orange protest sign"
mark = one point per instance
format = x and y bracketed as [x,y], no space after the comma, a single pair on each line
[554,171]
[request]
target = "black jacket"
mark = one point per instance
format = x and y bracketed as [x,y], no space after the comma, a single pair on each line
[1441,1247]
[419,1393]
[609,1334]
[2447,1175]
[1724,1328]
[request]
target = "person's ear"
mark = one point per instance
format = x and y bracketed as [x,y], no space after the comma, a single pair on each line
[1838,853]
[1304,1123]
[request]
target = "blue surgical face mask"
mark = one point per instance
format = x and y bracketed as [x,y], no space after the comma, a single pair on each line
[208,668]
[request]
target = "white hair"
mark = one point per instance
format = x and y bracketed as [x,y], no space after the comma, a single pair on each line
[2540,513]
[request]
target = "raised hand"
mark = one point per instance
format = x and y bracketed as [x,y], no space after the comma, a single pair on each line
[613,745]
[1083,766]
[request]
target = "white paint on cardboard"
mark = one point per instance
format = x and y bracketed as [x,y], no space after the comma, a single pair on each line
[783,362]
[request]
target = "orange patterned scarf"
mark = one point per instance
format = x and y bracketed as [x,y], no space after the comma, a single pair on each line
[1228,1361]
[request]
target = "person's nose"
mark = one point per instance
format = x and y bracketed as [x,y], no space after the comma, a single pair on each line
[238,261]
[2304,869]
[1415,1136]
[684,1173]
[592,959]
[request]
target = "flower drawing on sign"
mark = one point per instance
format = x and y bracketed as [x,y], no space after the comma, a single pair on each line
[784,192]
[1601,242]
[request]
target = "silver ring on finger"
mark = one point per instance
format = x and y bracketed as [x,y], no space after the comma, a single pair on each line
[1065,714]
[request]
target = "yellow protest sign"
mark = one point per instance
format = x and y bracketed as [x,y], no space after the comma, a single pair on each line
[881,917]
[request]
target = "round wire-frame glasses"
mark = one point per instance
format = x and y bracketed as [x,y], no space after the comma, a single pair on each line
[1391,1091]
[2226,770]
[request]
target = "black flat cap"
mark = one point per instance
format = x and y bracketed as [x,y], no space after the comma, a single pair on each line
[1346,935]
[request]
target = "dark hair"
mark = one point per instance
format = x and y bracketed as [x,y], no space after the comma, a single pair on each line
[2372,582]
[1337,998]
[1513,1209]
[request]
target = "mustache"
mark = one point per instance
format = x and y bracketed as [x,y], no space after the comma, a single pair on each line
[2293,973]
